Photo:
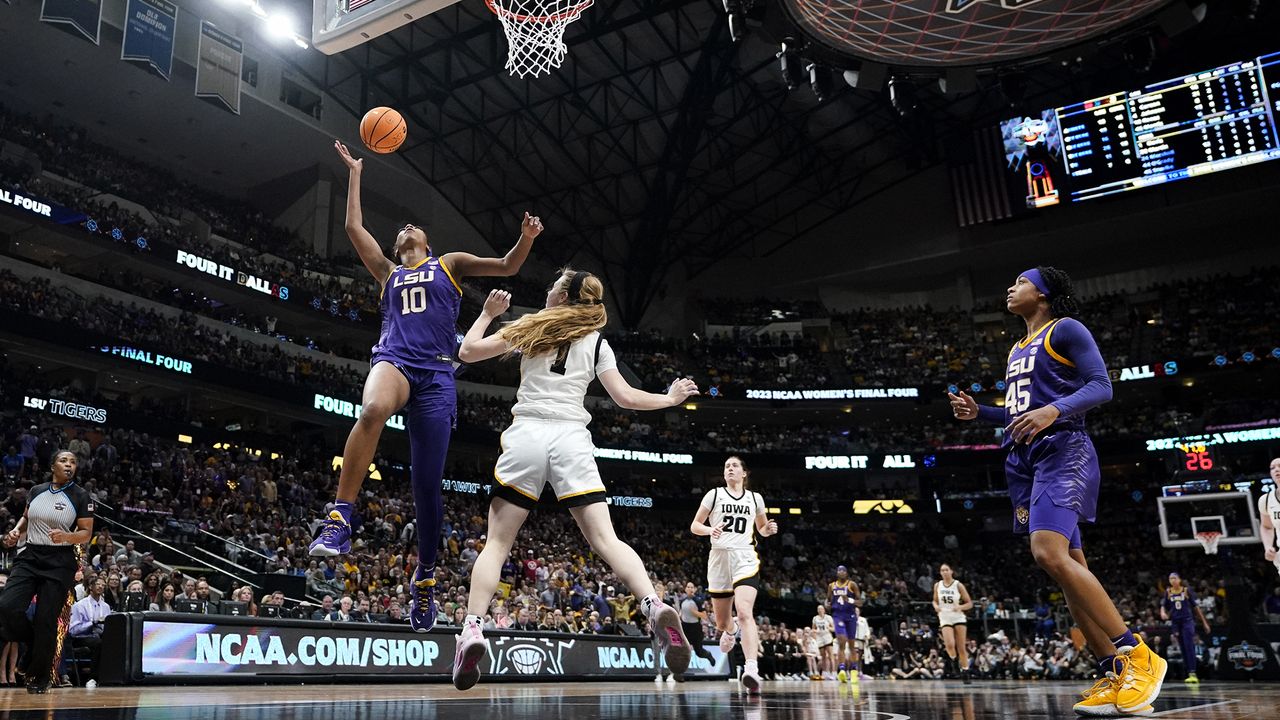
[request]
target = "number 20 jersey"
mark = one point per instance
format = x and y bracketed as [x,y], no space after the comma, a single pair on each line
[1037,376]
[736,516]
[419,314]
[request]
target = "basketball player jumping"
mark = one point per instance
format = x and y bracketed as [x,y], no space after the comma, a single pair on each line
[1179,608]
[412,363]
[951,600]
[1055,374]
[844,596]
[1269,517]
[562,351]
[731,516]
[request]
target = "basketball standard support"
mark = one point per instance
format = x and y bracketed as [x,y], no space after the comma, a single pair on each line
[1245,655]
[338,25]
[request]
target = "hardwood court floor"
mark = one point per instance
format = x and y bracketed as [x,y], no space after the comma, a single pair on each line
[872,700]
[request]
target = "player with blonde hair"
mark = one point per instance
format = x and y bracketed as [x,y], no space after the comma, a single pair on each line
[561,352]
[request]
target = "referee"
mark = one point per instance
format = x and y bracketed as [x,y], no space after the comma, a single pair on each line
[57,518]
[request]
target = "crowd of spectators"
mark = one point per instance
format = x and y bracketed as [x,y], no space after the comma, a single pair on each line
[95,169]
[42,300]
[261,510]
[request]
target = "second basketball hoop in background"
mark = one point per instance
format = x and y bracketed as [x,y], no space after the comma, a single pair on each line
[535,32]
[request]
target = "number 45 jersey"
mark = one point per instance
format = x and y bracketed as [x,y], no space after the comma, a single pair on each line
[419,313]
[1041,372]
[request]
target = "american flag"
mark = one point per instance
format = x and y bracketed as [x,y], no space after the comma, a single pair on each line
[979,179]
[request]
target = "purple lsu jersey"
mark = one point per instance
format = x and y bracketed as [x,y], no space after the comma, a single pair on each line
[1038,376]
[419,314]
[841,597]
[1180,605]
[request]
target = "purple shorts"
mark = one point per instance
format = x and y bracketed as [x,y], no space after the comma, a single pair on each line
[1053,483]
[846,626]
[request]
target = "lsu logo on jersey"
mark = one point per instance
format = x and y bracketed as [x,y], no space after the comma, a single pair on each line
[415,277]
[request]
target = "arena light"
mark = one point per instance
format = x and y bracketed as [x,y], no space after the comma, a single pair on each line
[184,439]
[280,25]
[737,15]
[794,511]
[902,95]
[789,63]
[820,81]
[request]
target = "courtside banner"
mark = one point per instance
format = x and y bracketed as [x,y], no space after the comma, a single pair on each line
[172,647]
[148,34]
[218,69]
[83,15]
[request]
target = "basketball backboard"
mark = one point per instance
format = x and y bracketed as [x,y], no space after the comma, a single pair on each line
[1231,513]
[338,25]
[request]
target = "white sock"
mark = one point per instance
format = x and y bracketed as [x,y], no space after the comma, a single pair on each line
[474,620]
[650,603]
[750,666]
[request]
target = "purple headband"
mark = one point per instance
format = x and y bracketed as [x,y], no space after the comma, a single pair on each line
[1034,277]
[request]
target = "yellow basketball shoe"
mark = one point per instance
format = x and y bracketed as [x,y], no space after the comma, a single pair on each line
[1100,700]
[1141,677]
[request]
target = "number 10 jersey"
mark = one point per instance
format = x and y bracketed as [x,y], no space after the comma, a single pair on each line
[419,316]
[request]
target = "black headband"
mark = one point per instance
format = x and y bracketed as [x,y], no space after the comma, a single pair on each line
[575,290]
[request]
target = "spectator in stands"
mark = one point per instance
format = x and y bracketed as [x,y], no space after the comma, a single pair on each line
[13,464]
[325,610]
[189,589]
[28,442]
[87,621]
[1273,606]
[80,446]
[128,556]
[523,622]
[163,601]
[207,604]
[343,612]
[114,593]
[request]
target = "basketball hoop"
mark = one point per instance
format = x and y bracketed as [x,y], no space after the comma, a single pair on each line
[535,32]
[1209,541]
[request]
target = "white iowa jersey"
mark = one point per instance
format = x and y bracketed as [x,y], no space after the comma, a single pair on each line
[554,390]
[949,597]
[1269,505]
[736,516]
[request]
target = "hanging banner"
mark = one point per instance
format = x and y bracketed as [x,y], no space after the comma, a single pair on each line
[83,15]
[148,35]
[218,72]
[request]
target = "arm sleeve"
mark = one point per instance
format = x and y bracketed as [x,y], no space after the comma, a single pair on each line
[80,621]
[991,415]
[1073,341]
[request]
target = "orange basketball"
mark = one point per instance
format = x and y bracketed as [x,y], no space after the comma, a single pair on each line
[383,130]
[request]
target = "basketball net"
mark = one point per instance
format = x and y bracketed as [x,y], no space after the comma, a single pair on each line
[1209,541]
[535,32]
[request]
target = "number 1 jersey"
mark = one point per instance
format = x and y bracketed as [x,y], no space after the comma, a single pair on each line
[419,316]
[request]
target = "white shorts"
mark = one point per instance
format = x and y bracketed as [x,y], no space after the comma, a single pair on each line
[727,568]
[949,618]
[536,451]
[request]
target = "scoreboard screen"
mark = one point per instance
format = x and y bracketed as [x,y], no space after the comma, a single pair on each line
[1192,125]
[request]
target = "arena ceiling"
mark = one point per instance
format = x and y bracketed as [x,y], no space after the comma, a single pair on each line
[662,146]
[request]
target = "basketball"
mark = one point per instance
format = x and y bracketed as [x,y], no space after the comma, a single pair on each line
[383,130]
